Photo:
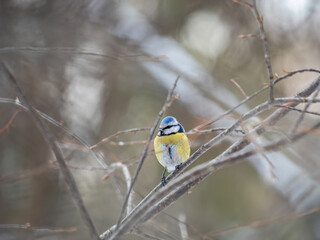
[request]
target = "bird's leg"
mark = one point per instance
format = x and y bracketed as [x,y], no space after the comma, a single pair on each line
[178,166]
[163,178]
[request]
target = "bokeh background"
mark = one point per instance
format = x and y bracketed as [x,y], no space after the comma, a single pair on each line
[102,66]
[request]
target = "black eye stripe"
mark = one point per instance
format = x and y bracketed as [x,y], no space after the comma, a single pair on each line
[162,130]
[167,127]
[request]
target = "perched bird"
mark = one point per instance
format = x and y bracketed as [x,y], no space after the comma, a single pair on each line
[171,145]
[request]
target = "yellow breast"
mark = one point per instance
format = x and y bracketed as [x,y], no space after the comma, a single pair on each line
[179,140]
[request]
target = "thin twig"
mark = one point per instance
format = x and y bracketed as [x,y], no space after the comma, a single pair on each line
[25,174]
[37,230]
[144,154]
[296,109]
[211,130]
[9,123]
[107,139]
[315,94]
[271,120]
[127,177]
[239,87]
[263,36]
[59,125]
[289,74]
[254,139]
[243,36]
[264,222]
[144,235]
[122,143]
[256,93]
[85,52]
[67,176]
[183,227]
[244,3]
[217,118]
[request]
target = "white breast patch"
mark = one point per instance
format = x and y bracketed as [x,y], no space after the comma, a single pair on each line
[172,159]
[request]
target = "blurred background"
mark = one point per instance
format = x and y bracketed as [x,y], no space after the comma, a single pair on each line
[98,67]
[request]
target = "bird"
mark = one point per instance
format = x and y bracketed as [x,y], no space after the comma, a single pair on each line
[171,145]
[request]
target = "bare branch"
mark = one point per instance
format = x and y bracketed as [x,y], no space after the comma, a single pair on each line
[164,200]
[38,231]
[176,188]
[263,37]
[59,125]
[256,93]
[107,139]
[24,174]
[67,176]
[127,178]
[315,94]
[85,52]
[296,109]
[272,119]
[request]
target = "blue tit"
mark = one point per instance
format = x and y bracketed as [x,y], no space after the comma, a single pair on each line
[171,145]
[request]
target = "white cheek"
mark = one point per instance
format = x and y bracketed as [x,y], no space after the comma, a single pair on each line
[171,130]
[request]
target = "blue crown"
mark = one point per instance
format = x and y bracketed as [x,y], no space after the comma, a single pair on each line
[167,120]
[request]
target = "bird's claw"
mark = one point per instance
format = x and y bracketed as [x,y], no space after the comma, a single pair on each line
[163,181]
[178,166]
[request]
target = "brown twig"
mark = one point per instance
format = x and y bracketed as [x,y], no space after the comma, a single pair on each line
[244,36]
[239,87]
[10,122]
[48,136]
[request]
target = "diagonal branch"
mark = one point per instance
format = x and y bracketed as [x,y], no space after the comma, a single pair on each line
[315,94]
[48,136]
[179,186]
[107,139]
[84,52]
[162,203]
[248,98]
[145,151]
